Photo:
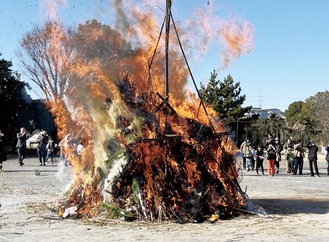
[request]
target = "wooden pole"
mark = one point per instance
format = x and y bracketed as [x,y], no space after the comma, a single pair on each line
[168,14]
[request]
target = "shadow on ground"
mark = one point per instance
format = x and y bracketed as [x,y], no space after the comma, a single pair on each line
[293,206]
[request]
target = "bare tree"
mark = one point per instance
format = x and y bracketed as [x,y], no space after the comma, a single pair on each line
[45,55]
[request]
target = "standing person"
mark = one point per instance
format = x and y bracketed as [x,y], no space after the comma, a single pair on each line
[21,145]
[278,149]
[3,155]
[50,150]
[243,149]
[288,148]
[299,158]
[260,159]
[271,155]
[327,159]
[249,158]
[39,151]
[253,158]
[313,157]
[43,146]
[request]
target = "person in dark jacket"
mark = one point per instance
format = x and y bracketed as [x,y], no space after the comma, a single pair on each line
[41,150]
[21,146]
[260,159]
[299,158]
[271,155]
[313,157]
[278,149]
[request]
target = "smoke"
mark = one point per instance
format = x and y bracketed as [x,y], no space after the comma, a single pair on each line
[50,8]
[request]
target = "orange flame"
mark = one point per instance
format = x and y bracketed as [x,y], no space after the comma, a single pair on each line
[237,38]
[112,106]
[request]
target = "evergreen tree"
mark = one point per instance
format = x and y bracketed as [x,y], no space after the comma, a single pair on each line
[294,113]
[12,101]
[225,98]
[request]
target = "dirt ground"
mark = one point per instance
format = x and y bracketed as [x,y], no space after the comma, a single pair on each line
[297,209]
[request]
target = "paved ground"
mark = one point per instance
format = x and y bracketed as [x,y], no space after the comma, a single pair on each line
[297,209]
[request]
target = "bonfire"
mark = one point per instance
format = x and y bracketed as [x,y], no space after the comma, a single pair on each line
[148,153]
[163,167]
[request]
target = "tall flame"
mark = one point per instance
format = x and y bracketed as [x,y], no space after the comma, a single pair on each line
[113,106]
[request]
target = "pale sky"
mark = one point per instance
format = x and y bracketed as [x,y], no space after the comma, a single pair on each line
[288,61]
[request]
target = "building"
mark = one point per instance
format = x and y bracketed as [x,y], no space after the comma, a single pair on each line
[264,113]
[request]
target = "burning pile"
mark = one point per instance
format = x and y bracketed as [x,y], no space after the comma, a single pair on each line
[186,174]
[165,167]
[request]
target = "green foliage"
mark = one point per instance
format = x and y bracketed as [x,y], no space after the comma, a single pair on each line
[112,211]
[301,113]
[225,97]
[258,132]
[115,156]
[18,109]
[316,111]
[294,113]
[13,101]
[275,124]
[317,108]
[138,121]
[309,119]
[136,190]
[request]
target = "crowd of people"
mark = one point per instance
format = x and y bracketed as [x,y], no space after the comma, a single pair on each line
[253,156]
[294,151]
[45,147]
